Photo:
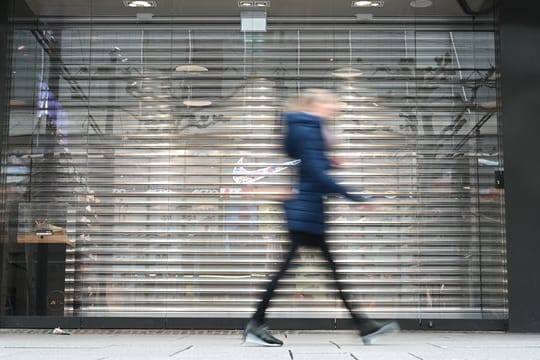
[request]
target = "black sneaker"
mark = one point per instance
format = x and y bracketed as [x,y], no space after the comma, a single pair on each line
[372,334]
[258,334]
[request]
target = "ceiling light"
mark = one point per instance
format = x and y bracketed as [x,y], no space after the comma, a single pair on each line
[367,3]
[140,3]
[256,3]
[421,3]
[347,73]
[197,103]
[191,68]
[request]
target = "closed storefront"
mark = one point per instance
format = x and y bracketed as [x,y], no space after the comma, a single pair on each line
[144,174]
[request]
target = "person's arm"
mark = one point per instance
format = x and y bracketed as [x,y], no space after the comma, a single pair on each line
[315,169]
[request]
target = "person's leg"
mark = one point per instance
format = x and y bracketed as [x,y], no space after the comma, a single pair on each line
[265,301]
[360,320]
[370,330]
[256,331]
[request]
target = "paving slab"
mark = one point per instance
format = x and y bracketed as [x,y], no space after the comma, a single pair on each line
[26,344]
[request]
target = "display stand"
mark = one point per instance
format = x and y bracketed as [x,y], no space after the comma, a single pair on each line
[43,223]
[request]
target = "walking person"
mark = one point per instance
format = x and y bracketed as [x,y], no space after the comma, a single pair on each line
[308,139]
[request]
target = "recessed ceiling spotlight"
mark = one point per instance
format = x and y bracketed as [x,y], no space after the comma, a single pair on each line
[421,3]
[140,3]
[367,3]
[256,3]
[361,3]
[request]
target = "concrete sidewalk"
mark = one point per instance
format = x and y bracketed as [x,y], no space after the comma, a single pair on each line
[22,344]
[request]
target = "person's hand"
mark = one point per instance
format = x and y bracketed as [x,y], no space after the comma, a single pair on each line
[336,162]
[372,206]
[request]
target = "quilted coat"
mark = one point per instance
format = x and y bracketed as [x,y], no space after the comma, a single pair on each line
[304,140]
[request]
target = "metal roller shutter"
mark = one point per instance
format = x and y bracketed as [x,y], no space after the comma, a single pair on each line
[175,208]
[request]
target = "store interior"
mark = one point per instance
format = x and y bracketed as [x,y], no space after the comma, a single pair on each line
[145,174]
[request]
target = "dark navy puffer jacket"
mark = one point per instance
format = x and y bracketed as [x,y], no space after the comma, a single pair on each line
[304,141]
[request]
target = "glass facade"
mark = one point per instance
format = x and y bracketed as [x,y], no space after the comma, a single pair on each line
[144,173]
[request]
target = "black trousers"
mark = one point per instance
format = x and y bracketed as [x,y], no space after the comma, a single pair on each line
[305,239]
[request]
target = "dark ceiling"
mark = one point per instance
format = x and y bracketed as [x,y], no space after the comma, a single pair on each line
[229,8]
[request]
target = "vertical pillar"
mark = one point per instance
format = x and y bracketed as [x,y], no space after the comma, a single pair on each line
[520,91]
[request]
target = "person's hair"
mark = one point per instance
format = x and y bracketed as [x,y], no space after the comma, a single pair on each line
[308,97]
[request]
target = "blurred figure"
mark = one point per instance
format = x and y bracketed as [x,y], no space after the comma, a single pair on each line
[307,138]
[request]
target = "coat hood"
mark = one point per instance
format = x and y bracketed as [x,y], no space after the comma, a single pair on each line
[297,123]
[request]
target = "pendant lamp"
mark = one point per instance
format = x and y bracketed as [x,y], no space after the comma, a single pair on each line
[189,67]
[348,72]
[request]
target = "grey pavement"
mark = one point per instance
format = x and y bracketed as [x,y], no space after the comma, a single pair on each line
[299,345]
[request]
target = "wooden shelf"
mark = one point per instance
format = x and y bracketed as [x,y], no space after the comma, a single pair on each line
[56,238]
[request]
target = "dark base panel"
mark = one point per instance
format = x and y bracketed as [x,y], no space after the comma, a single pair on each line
[45,322]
